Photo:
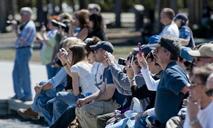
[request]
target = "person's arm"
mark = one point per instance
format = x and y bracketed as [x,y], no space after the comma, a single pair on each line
[124,84]
[104,93]
[59,78]
[122,79]
[192,108]
[83,34]
[75,83]
[150,82]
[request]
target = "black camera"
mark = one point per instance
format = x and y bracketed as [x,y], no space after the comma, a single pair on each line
[64,25]
[122,61]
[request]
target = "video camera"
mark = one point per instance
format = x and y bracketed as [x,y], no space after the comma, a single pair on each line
[64,25]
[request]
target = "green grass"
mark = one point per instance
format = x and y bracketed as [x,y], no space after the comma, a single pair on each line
[9,54]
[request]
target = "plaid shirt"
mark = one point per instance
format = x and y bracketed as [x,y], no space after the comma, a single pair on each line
[26,36]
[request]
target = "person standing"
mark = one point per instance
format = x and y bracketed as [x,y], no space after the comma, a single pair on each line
[21,72]
[48,40]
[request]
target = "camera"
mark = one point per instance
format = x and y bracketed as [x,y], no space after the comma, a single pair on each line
[64,25]
[122,61]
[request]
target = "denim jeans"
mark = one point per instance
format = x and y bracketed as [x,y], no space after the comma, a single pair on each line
[66,118]
[21,73]
[61,102]
[51,71]
[42,106]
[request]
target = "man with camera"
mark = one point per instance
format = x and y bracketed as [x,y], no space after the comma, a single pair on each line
[21,73]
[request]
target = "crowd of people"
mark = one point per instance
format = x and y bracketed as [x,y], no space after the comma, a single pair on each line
[167,82]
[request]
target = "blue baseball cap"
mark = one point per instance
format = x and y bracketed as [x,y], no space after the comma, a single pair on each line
[106,45]
[184,53]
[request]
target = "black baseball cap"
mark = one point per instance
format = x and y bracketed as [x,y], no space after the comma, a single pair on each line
[106,45]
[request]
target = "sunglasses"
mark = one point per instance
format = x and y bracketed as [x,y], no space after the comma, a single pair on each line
[209,92]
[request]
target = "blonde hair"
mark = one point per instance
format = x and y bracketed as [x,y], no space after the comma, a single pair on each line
[71,41]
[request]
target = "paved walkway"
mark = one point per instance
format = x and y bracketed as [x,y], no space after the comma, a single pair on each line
[38,73]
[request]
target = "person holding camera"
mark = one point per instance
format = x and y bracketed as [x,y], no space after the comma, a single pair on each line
[21,71]
[48,41]
[79,24]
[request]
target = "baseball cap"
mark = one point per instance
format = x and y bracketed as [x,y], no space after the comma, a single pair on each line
[181,16]
[106,45]
[205,50]
[185,55]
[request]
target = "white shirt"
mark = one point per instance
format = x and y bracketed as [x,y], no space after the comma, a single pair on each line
[170,30]
[151,83]
[204,116]
[97,71]
[86,78]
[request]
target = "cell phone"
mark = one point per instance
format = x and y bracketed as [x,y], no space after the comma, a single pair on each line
[122,61]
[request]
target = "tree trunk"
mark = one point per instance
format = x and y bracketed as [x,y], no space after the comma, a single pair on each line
[3,14]
[118,13]
[83,4]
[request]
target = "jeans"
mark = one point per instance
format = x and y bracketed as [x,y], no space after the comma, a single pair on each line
[66,118]
[61,102]
[51,71]
[21,73]
[42,106]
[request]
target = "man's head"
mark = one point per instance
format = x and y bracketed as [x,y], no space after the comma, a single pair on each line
[199,81]
[26,13]
[203,55]
[181,19]
[166,51]
[94,8]
[100,50]
[166,16]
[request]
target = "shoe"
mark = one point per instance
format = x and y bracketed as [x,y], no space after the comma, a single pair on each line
[14,97]
[23,99]
[28,114]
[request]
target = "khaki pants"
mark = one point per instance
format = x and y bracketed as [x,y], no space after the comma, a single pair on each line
[87,114]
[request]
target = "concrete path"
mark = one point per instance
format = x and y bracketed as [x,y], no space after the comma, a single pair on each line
[38,73]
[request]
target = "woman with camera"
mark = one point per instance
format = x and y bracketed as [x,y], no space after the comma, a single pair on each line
[48,41]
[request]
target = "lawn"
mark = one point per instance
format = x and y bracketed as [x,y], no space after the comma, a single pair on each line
[8,54]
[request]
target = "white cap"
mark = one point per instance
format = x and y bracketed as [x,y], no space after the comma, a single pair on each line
[26,9]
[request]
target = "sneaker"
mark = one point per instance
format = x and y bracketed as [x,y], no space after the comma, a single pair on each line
[28,114]
[14,97]
[23,99]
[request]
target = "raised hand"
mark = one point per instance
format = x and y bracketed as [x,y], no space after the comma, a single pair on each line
[142,60]
[63,56]
[110,59]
